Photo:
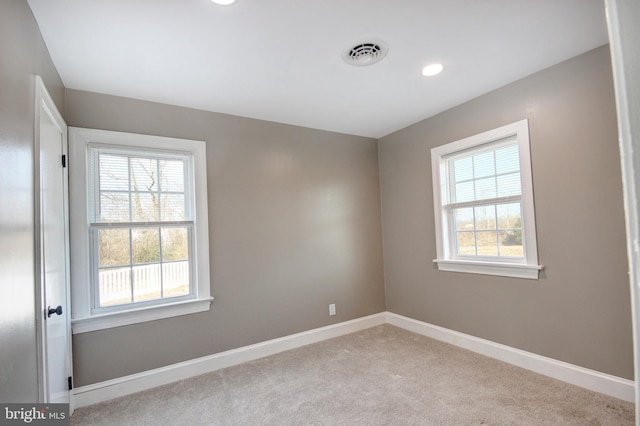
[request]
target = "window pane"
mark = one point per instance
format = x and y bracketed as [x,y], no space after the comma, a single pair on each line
[510,221]
[113,247]
[463,219]
[176,279]
[463,169]
[147,282]
[114,207]
[466,243]
[485,217]
[175,244]
[114,172]
[173,206]
[146,245]
[144,207]
[144,174]
[487,243]
[464,192]
[115,286]
[511,243]
[485,188]
[507,159]
[509,216]
[509,185]
[171,175]
[483,165]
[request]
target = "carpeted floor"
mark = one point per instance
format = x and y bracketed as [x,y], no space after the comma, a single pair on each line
[380,376]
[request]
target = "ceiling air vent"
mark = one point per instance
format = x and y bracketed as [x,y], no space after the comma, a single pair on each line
[363,54]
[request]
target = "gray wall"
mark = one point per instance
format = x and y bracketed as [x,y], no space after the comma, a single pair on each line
[23,55]
[294,225]
[579,311]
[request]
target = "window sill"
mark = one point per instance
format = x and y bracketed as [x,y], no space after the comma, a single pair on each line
[512,270]
[151,313]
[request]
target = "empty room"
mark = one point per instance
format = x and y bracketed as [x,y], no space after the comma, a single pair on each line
[349,212]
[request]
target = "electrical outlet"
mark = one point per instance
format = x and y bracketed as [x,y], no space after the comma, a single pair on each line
[332,309]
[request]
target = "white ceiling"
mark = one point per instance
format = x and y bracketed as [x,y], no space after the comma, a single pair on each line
[281,60]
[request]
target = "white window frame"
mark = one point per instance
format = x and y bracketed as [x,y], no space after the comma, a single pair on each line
[84,317]
[447,260]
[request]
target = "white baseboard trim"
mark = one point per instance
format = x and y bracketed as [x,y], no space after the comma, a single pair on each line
[110,389]
[607,384]
[593,380]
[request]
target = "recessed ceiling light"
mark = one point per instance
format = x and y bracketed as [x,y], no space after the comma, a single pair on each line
[223,2]
[432,69]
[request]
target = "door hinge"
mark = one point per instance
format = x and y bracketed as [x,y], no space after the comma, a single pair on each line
[70,382]
[64,160]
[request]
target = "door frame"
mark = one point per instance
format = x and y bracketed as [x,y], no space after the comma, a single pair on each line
[624,34]
[44,101]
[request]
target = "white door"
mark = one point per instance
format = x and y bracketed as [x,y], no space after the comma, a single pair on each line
[53,249]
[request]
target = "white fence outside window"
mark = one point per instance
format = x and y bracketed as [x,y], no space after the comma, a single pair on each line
[115,284]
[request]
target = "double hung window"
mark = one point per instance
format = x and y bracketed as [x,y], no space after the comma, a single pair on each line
[140,226]
[141,241]
[483,203]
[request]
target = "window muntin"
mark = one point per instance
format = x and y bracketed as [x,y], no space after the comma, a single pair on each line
[483,204]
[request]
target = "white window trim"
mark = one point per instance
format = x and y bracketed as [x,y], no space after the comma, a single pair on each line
[82,318]
[527,268]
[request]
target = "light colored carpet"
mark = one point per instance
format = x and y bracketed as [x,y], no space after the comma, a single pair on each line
[380,376]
